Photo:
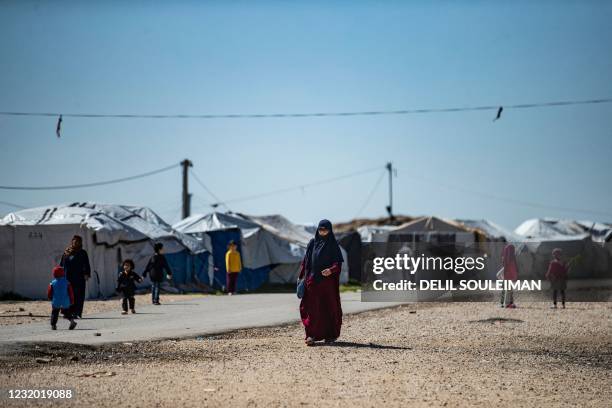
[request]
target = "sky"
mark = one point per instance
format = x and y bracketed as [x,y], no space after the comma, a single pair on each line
[277,56]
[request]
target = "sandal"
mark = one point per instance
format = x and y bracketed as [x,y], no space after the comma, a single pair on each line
[309,341]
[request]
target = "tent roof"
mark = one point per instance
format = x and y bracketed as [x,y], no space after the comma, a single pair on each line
[490,229]
[216,221]
[429,224]
[248,224]
[551,229]
[598,230]
[267,240]
[282,227]
[370,233]
[111,223]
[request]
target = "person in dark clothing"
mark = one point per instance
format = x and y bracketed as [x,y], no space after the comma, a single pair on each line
[76,265]
[126,285]
[320,308]
[155,268]
[61,296]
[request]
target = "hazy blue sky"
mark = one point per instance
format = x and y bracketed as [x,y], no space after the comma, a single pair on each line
[261,57]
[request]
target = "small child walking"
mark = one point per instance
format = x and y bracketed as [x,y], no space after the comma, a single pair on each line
[155,268]
[61,296]
[557,275]
[126,285]
[233,266]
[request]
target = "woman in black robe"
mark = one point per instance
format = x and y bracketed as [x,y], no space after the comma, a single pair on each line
[320,308]
[76,266]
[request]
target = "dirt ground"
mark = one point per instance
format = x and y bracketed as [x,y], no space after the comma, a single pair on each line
[19,312]
[461,354]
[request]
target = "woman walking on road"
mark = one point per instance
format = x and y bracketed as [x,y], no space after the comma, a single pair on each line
[76,266]
[320,308]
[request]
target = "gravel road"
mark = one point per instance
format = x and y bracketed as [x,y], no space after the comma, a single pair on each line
[462,354]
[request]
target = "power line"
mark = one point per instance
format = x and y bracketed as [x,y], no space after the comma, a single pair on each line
[299,187]
[510,200]
[309,114]
[13,205]
[367,201]
[94,184]
[209,191]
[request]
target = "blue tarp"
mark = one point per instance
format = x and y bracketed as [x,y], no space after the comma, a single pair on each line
[249,279]
[185,266]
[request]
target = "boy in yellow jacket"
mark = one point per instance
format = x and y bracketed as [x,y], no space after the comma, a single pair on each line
[233,266]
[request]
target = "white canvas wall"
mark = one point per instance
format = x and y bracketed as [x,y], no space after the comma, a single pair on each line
[36,250]
[288,273]
[29,253]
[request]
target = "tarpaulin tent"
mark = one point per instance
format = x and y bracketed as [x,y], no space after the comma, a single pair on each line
[427,227]
[491,240]
[271,246]
[351,243]
[491,230]
[298,237]
[32,242]
[260,251]
[374,233]
[554,228]
[581,241]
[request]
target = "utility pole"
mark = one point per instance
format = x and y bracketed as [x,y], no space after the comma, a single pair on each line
[390,206]
[186,196]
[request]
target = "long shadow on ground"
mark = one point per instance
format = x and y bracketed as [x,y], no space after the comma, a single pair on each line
[362,345]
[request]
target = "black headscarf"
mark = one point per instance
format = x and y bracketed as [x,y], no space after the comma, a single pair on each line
[323,252]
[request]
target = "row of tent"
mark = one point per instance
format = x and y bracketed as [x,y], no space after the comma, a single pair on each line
[586,244]
[272,247]
[32,242]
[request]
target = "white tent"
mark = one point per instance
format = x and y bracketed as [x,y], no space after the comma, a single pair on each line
[265,240]
[32,242]
[430,236]
[428,228]
[580,240]
[491,230]
[553,228]
[374,233]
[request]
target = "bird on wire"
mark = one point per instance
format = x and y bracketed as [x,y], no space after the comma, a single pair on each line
[499,112]
[58,129]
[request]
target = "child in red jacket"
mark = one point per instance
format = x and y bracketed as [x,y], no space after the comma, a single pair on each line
[61,296]
[557,275]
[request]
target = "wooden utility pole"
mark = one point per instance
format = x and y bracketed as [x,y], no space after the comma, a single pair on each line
[186,196]
[390,206]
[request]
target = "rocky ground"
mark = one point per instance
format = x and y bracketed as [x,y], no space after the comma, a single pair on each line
[461,354]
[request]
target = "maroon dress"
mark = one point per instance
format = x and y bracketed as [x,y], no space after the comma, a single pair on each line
[320,308]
